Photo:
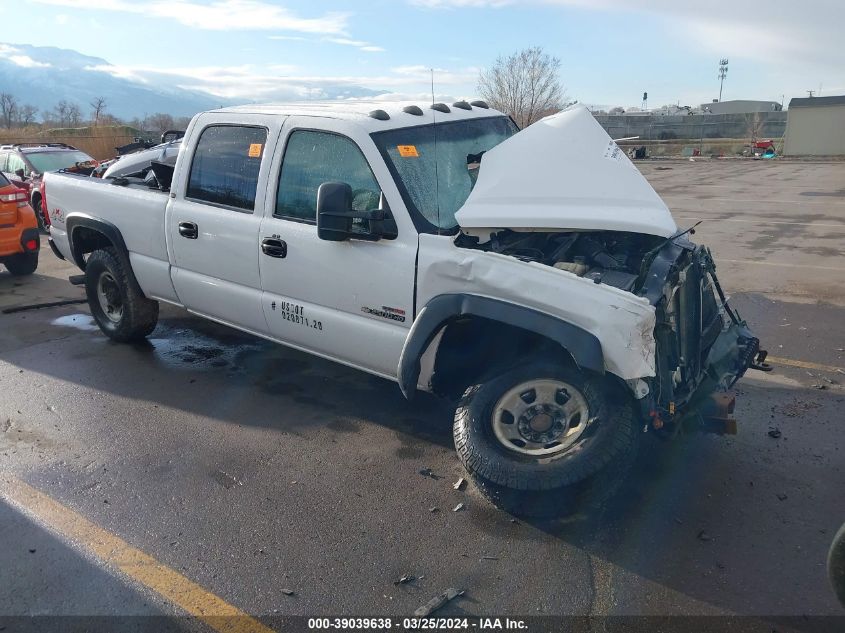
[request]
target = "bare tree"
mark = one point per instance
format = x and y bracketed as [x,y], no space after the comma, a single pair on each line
[159,122]
[8,109]
[98,108]
[66,114]
[74,115]
[26,115]
[525,85]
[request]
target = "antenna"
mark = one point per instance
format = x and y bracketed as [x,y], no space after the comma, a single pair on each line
[436,176]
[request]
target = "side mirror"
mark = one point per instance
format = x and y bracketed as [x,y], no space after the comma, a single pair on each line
[336,219]
[20,174]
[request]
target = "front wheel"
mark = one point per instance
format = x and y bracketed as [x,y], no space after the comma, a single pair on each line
[22,264]
[116,301]
[546,440]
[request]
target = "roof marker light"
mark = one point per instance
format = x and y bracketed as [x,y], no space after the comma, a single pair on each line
[412,109]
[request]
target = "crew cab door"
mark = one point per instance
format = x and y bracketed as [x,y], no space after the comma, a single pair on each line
[351,301]
[214,216]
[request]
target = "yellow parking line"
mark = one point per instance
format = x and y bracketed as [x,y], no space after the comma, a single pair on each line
[143,568]
[804,364]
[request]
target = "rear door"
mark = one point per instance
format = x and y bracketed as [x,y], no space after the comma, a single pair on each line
[212,223]
[351,301]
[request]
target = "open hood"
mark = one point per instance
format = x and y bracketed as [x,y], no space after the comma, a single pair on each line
[564,172]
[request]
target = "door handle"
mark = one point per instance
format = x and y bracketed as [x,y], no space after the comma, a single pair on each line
[189,230]
[274,247]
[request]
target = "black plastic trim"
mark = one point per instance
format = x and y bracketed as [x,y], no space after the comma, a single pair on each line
[108,229]
[55,248]
[30,234]
[437,313]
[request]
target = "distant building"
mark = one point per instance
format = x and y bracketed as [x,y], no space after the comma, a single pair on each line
[740,106]
[815,126]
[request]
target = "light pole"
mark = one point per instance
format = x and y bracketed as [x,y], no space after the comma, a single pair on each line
[723,71]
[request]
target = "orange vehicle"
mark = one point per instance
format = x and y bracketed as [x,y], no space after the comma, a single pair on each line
[20,241]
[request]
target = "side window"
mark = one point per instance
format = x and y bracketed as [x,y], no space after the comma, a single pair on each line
[14,163]
[312,158]
[3,158]
[226,164]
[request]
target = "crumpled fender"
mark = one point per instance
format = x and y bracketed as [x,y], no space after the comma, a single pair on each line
[584,347]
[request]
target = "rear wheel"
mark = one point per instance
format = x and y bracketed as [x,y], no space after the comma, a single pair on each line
[544,440]
[39,213]
[22,263]
[116,301]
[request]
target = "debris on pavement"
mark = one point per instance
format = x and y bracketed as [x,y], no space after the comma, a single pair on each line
[289,592]
[489,558]
[427,472]
[226,480]
[438,601]
[434,509]
[703,535]
[774,432]
[781,496]
[406,578]
[819,387]
[458,507]
[459,485]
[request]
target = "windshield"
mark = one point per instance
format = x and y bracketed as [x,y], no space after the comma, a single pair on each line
[43,162]
[436,191]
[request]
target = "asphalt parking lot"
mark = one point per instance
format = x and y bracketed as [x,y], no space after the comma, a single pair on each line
[278,483]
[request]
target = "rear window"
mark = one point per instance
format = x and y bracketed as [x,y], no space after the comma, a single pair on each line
[44,162]
[226,165]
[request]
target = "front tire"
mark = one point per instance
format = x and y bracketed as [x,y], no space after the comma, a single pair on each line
[546,440]
[22,264]
[116,301]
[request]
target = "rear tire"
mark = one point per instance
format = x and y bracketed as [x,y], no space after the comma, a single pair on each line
[543,440]
[116,301]
[22,263]
[39,214]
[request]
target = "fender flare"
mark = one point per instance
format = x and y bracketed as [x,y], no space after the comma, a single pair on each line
[442,309]
[77,220]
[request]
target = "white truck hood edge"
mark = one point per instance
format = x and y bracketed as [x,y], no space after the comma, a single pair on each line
[564,172]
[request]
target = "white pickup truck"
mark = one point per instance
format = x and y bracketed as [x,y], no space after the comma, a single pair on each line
[534,275]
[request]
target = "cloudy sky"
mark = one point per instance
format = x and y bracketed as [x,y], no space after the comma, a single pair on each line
[611,50]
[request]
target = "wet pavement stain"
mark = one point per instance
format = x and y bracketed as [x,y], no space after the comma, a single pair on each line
[84,322]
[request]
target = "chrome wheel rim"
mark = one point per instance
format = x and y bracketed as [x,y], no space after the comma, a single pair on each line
[109,297]
[540,418]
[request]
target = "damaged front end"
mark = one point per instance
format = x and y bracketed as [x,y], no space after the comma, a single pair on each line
[703,346]
[563,194]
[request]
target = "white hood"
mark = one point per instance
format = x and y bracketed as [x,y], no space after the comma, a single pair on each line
[564,172]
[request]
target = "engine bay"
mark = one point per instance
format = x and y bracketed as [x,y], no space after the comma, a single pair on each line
[614,258]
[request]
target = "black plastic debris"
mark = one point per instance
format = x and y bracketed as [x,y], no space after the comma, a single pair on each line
[437,602]
[774,432]
[427,472]
[704,536]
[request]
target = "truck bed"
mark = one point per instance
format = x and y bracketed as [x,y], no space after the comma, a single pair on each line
[138,210]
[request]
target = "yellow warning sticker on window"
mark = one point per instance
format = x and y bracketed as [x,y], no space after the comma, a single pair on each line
[255,150]
[408,151]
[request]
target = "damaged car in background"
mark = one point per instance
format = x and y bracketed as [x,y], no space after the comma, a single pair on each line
[534,276]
